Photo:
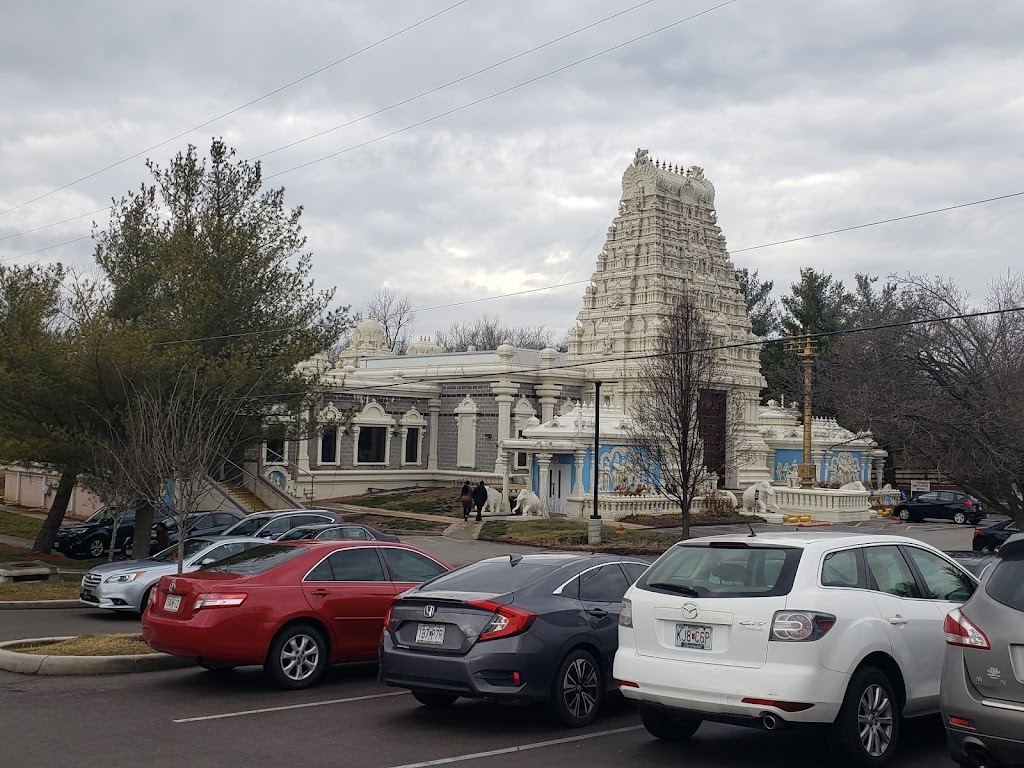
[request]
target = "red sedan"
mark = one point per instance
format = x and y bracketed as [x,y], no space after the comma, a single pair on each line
[293,607]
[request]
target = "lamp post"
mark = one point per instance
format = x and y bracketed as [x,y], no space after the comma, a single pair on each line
[594,524]
[804,348]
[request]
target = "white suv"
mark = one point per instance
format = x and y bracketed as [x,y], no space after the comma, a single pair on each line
[772,631]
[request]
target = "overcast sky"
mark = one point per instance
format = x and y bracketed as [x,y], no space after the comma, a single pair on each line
[807,115]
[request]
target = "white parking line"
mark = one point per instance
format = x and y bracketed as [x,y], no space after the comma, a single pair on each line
[520,748]
[289,706]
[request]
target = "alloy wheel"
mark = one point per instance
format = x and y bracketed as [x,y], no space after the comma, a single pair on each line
[96,548]
[580,688]
[875,720]
[959,518]
[300,657]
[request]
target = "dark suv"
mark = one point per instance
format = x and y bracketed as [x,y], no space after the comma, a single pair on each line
[92,537]
[960,507]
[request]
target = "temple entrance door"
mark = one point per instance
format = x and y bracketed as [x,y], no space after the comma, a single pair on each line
[561,481]
[712,424]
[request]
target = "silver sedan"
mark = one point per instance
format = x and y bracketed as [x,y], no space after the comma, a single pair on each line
[125,585]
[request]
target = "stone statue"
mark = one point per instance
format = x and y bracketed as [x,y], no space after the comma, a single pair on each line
[495,503]
[528,503]
[640,156]
[765,499]
[856,485]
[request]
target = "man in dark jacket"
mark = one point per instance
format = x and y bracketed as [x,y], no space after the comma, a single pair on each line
[480,498]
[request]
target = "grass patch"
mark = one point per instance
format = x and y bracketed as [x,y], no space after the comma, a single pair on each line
[572,535]
[425,501]
[91,645]
[23,527]
[9,554]
[710,518]
[392,524]
[40,590]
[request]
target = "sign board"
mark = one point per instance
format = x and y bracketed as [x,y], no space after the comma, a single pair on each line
[920,486]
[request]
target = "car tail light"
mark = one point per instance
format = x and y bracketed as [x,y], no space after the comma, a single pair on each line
[387,618]
[729,545]
[785,706]
[801,626]
[961,631]
[963,722]
[626,613]
[219,600]
[968,503]
[976,533]
[506,622]
[626,684]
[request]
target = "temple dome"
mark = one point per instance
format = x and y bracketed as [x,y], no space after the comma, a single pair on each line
[424,346]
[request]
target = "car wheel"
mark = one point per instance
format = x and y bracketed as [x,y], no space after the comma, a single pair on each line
[145,600]
[96,546]
[297,658]
[959,518]
[865,733]
[578,689]
[668,726]
[905,515]
[434,699]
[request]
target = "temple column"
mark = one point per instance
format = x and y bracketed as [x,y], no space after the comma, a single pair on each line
[544,467]
[577,487]
[434,406]
[547,395]
[503,394]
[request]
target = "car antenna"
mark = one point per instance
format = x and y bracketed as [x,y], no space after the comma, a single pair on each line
[514,559]
[757,495]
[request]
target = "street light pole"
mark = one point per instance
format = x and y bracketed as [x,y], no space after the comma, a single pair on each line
[594,523]
[807,472]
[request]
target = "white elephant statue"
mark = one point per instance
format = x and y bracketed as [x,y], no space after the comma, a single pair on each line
[495,503]
[856,485]
[765,499]
[528,503]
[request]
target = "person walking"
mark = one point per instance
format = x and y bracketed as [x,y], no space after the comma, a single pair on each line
[480,498]
[467,500]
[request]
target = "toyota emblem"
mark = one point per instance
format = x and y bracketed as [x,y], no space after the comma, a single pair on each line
[690,610]
[428,611]
[174,586]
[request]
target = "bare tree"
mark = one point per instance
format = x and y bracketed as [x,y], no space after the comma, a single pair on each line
[395,312]
[945,393]
[666,434]
[488,332]
[115,476]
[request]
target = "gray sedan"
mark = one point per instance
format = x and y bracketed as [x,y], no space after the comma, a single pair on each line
[125,585]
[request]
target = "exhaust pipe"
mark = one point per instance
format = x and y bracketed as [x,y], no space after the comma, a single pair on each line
[769,722]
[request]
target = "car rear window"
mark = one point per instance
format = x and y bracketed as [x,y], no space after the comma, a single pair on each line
[721,570]
[256,560]
[490,576]
[1006,584]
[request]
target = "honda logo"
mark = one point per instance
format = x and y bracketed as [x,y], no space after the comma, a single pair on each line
[428,611]
[690,610]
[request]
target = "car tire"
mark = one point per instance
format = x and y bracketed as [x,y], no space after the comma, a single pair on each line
[668,726]
[577,690]
[905,515]
[297,657]
[959,518]
[96,546]
[145,599]
[434,699]
[871,700]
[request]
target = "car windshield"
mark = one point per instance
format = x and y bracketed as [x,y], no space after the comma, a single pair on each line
[256,560]
[170,555]
[102,515]
[490,577]
[723,570]
[247,527]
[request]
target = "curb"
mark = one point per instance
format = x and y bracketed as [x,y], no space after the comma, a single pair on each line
[33,664]
[28,605]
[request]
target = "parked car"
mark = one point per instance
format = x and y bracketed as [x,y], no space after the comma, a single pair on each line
[982,695]
[292,607]
[961,508]
[211,523]
[268,525]
[335,532]
[126,584]
[93,536]
[776,630]
[989,539]
[538,627]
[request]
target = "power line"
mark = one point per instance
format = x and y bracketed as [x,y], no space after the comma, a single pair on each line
[504,90]
[240,108]
[358,119]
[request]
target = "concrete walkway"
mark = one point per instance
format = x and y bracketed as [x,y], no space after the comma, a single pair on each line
[14,541]
[24,511]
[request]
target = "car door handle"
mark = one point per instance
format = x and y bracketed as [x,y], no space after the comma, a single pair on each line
[898,620]
[320,592]
[599,613]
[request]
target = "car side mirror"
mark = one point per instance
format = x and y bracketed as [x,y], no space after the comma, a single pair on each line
[208,560]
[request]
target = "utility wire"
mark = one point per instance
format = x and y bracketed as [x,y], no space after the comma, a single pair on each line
[267,95]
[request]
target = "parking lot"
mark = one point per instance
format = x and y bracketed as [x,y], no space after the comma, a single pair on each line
[197,718]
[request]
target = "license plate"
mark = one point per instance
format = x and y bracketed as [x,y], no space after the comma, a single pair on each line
[430,634]
[172,603]
[693,636]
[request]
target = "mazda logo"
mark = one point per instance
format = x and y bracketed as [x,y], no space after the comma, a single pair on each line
[428,611]
[690,610]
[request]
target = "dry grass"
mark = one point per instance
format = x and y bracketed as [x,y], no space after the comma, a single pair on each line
[392,524]
[91,645]
[707,518]
[426,501]
[572,535]
[40,590]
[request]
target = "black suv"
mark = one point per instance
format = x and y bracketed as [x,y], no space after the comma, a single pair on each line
[960,507]
[92,537]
